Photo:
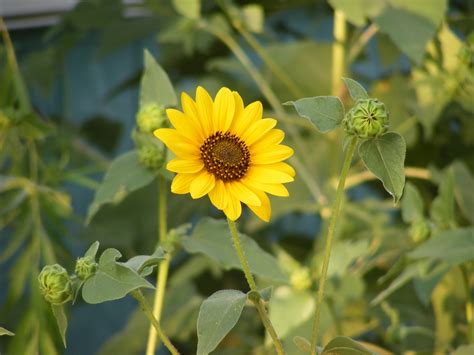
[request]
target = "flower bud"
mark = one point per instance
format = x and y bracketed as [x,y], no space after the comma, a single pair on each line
[367,119]
[300,279]
[419,231]
[55,284]
[85,267]
[151,156]
[150,117]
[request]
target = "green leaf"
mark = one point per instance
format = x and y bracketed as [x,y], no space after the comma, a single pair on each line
[92,251]
[412,204]
[61,320]
[212,237]
[345,346]
[464,350]
[265,294]
[155,86]
[324,112]
[218,315]
[112,281]
[125,175]
[356,90]
[302,343]
[454,246]
[188,8]
[385,157]
[420,21]
[4,331]
[142,264]
[464,181]
[442,208]
[353,11]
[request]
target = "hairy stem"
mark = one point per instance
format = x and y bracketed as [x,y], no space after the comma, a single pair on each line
[253,287]
[331,231]
[164,266]
[469,305]
[155,323]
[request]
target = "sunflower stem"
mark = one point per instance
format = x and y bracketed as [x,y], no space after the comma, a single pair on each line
[253,287]
[327,251]
[137,294]
[162,276]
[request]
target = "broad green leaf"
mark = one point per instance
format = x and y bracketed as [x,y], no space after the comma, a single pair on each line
[155,86]
[442,208]
[356,90]
[142,263]
[218,315]
[61,320]
[125,175]
[464,350]
[212,237]
[253,17]
[4,331]
[385,158]
[188,8]
[454,246]
[420,21]
[345,346]
[412,204]
[92,251]
[112,281]
[302,343]
[324,112]
[463,189]
[357,12]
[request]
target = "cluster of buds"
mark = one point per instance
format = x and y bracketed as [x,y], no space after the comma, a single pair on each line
[85,267]
[151,152]
[367,119]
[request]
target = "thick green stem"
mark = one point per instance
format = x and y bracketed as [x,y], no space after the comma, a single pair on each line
[162,276]
[253,287]
[331,231]
[338,51]
[469,305]
[155,323]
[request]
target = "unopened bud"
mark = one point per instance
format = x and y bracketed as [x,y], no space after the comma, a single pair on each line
[55,284]
[367,119]
[85,267]
[151,156]
[150,117]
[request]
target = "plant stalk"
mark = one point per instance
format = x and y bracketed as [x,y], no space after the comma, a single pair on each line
[155,323]
[469,305]
[338,51]
[253,287]
[331,231]
[164,266]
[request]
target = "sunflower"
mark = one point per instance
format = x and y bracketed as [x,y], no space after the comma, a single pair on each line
[227,151]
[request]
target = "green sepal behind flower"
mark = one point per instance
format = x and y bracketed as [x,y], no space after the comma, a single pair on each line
[150,117]
[55,284]
[367,119]
[85,267]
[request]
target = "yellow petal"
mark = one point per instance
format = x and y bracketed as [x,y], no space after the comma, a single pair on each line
[190,110]
[273,189]
[266,175]
[239,104]
[274,137]
[177,143]
[181,183]
[273,155]
[243,193]
[185,166]
[233,210]
[250,114]
[223,110]
[283,167]
[263,211]
[257,130]
[204,106]
[202,184]
[218,195]
[185,126]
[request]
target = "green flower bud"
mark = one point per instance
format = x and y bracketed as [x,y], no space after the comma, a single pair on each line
[85,267]
[150,117]
[367,119]
[151,156]
[419,231]
[300,279]
[55,284]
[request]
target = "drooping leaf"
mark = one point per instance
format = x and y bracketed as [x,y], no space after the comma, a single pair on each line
[112,281]
[412,204]
[345,346]
[324,112]
[212,237]
[143,264]
[4,331]
[188,8]
[125,175]
[464,181]
[385,158]
[61,320]
[155,86]
[356,90]
[454,246]
[218,315]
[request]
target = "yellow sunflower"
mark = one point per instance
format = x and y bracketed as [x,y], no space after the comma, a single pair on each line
[227,151]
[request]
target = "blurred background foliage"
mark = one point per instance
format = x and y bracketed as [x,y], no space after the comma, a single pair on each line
[400,276]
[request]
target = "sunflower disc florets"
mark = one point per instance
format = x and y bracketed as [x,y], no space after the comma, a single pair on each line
[367,119]
[55,284]
[150,117]
[85,267]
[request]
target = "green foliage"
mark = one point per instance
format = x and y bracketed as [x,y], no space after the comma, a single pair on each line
[4,331]
[345,346]
[61,319]
[218,315]
[385,157]
[190,9]
[356,90]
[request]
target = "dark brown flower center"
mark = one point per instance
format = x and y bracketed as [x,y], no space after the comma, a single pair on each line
[226,156]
